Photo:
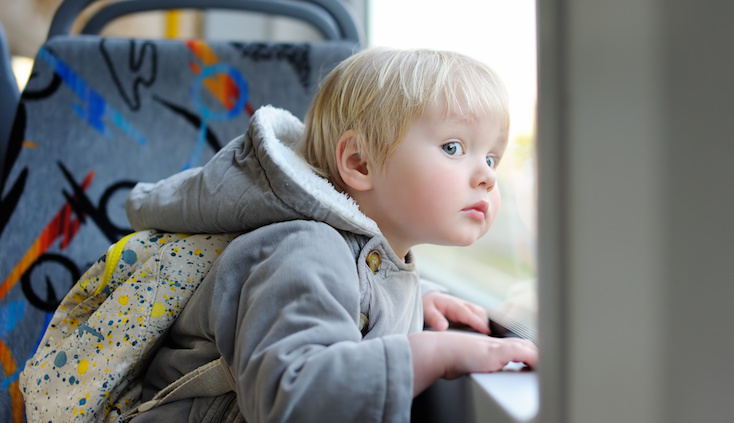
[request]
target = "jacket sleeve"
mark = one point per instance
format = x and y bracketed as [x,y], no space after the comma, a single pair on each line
[429,286]
[284,313]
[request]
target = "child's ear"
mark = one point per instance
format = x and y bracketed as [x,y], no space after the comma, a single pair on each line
[354,168]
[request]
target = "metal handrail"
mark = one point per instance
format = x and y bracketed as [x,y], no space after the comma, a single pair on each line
[330,17]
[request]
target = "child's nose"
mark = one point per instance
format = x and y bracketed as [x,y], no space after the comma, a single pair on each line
[484,177]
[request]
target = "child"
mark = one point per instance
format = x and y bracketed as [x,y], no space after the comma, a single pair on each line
[399,148]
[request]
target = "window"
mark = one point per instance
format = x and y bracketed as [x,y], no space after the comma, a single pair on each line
[498,271]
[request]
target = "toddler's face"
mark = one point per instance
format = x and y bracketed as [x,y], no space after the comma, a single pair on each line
[439,186]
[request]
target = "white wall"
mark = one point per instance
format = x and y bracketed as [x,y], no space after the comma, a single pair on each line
[636,273]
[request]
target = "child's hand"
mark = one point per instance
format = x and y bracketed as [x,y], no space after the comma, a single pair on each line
[437,307]
[452,354]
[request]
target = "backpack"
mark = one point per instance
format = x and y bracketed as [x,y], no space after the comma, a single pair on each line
[88,364]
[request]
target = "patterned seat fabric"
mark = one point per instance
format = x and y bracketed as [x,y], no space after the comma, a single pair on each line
[97,116]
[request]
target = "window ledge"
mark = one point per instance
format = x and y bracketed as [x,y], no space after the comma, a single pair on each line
[508,396]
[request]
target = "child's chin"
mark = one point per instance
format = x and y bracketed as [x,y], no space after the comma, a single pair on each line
[458,238]
[465,242]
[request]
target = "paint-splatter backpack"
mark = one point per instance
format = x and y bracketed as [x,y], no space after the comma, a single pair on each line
[88,363]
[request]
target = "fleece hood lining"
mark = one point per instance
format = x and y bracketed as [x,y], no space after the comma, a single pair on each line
[280,131]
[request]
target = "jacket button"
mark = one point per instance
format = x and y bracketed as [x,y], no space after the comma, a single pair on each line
[374,261]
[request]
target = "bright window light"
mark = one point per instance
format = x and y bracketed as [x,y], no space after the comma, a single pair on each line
[499,270]
[22,70]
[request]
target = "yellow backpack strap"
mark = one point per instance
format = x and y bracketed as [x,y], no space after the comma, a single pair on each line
[113,257]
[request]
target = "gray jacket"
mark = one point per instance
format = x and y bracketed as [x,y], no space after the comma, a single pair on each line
[282,304]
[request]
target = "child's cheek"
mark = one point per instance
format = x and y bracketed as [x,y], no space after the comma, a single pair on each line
[495,202]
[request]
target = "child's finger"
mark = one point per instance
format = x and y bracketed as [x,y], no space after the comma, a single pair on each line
[472,316]
[506,350]
[479,311]
[525,351]
[433,318]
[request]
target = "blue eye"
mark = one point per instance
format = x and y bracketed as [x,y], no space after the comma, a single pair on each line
[491,162]
[453,148]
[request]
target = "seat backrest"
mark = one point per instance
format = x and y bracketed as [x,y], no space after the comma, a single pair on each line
[100,114]
[9,93]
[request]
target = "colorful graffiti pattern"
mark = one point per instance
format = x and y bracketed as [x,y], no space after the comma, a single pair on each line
[215,98]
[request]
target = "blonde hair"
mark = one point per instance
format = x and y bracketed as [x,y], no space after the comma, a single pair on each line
[378,93]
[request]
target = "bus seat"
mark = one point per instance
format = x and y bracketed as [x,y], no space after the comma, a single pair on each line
[9,93]
[100,114]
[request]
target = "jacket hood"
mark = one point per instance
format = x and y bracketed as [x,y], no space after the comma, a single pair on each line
[255,180]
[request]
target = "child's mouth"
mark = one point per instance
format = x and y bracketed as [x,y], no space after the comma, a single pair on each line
[477,211]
